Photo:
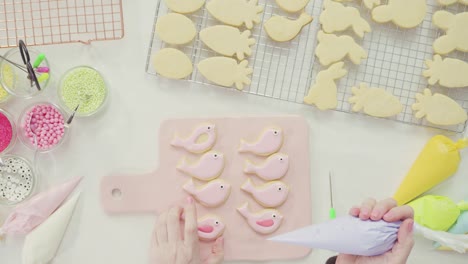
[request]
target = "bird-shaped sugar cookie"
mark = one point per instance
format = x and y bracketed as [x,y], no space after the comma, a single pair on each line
[268,143]
[236,12]
[208,167]
[332,48]
[282,29]
[212,194]
[270,194]
[336,18]
[403,13]
[264,222]
[201,140]
[323,93]
[273,168]
[210,227]
[456,28]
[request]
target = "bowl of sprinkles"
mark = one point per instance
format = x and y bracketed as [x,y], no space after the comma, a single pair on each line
[83,88]
[7,132]
[17,180]
[42,127]
[14,75]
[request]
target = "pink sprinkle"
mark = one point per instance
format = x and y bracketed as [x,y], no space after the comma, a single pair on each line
[46,120]
[6,132]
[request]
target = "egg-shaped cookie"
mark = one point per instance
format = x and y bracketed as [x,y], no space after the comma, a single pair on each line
[172,63]
[175,29]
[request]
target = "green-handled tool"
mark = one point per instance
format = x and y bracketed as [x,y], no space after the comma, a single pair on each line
[332,212]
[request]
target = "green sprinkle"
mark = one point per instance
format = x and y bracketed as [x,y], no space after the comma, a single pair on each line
[8,79]
[83,86]
[40,58]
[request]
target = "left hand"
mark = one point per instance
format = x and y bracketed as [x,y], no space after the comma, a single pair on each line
[168,245]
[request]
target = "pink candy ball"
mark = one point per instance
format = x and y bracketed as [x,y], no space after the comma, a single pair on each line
[46,123]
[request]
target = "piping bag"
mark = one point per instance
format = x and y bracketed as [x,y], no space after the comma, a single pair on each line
[438,161]
[27,216]
[351,235]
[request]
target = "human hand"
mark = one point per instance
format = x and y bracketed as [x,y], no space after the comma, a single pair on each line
[389,212]
[170,245]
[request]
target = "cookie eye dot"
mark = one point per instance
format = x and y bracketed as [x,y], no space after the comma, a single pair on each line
[279,189]
[274,216]
[222,186]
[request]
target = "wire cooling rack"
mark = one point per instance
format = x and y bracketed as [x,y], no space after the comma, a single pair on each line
[43,22]
[286,71]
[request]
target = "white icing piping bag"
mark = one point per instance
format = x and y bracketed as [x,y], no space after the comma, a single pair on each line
[457,242]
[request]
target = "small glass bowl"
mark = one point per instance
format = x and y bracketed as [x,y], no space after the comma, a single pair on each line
[22,125]
[14,80]
[71,109]
[16,178]
[13,131]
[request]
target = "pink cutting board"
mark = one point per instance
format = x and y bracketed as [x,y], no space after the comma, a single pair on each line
[157,191]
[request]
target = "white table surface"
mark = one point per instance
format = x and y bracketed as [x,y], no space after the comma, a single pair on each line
[369,157]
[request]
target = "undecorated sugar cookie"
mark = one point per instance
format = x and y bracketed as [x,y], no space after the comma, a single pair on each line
[403,13]
[456,28]
[438,109]
[269,142]
[336,18]
[228,41]
[375,101]
[235,12]
[264,222]
[210,227]
[212,194]
[207,168]
[201,140]
[450,73]
[226,72]
[273,168]
[282,29]
[184,6]
[175,29]
[292,6]
[369,4]
[270,194]
[451,2]
[172,63]
[323,93]
[332,48]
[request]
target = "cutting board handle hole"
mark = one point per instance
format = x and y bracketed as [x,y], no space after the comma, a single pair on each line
[117,194]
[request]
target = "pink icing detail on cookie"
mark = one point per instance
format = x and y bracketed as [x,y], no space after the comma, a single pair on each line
[268,143]
[210,228]
[208,167]
[271,194]
[274,168]
[260,221]
[206,229]
[265,223]
[212,194]
[191,143]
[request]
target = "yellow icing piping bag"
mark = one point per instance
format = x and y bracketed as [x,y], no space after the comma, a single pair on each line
[438,161]
[332,212]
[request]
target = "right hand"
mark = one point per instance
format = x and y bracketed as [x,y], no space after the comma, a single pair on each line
[168,245]
[388,211]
